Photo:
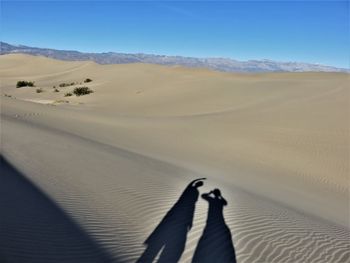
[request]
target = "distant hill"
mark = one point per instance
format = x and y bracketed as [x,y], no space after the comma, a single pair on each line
[219,64]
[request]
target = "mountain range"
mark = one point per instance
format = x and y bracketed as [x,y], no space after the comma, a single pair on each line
[219,64]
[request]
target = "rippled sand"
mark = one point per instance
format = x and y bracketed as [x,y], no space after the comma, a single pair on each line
[106,167]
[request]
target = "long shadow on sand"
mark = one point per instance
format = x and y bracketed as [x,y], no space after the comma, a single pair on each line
[34,229]
[215,244]
[171,233]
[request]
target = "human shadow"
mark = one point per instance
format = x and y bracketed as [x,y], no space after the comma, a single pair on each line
[33,228]
[171,233]
[215,244]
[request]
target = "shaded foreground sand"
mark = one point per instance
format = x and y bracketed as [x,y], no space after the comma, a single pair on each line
[35,229]
[116,160]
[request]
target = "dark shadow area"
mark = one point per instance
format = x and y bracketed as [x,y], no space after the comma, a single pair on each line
[215,244]
[170,235]
[33,228]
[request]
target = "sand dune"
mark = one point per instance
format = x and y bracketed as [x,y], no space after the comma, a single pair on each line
[116,160]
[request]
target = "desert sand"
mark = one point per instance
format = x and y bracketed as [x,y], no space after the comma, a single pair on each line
[88,178]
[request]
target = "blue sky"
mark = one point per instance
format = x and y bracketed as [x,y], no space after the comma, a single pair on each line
[308,31]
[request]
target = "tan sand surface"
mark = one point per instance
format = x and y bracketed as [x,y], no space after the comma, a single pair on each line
[116,160]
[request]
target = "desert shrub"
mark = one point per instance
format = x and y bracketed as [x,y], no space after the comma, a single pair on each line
[68,94]
[87,80]
[60,101]
[66,84]
[56,90]
[39,90]
[80,91]
[24,83]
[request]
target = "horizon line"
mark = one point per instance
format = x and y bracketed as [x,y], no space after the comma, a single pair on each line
[183,56]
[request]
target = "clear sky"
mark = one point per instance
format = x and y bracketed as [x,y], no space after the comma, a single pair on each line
[307,31]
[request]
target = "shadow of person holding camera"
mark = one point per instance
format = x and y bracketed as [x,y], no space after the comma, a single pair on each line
[215,244]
